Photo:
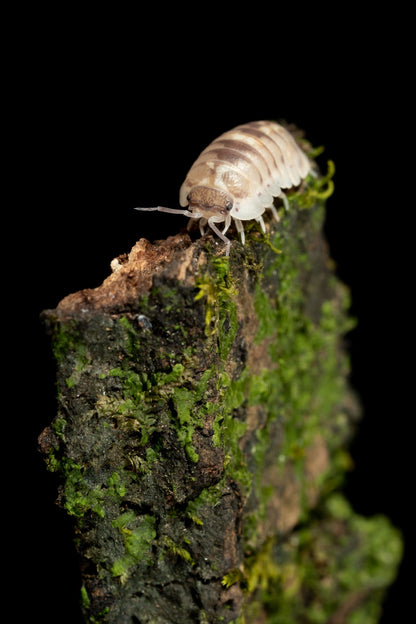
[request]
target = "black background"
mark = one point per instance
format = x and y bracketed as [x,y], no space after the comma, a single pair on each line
[108,112]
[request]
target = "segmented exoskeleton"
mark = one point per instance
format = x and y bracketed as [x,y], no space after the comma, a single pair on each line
[238,175]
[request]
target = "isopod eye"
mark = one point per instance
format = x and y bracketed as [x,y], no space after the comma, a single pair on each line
[228,206]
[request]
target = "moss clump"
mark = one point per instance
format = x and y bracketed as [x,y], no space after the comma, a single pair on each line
[216,288]
[318,188]
[307,386]
[79,493]
[66,340]
[176,549]
[140,391]
[138,534]
[68,348]
[131,409]
[339,563]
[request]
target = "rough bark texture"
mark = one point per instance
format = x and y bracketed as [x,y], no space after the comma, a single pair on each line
[203,416]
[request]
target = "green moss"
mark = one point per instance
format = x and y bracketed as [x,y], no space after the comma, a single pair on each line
[261,569]
[59,427]
[100,617]
[52,461]
[302,389]
[308,381]
[266,314]
[143,465]
[68,346]
[131,409]
[162,379]
[135,409]
[189,413]
[192,515]
[184,401]
[339,558]
[233,577]
[81,364]
[131,336]
[236,469]
[65,338]
[208,498]
[308,376]
[85,599]
[383,546]
[176,549]
[79,495]
[216,288]
[318,188]
[116,486]
[138,534]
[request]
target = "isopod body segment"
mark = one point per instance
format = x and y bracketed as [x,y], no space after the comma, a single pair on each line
[238,175]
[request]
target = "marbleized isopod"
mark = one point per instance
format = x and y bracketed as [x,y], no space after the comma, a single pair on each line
[238,175]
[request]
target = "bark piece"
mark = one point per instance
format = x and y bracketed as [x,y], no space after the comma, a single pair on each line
[203,412]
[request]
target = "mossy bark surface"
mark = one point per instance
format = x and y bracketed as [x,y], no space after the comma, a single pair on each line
[203,417]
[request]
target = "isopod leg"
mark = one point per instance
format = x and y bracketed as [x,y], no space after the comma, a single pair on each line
[202,224]
[274,211]
[272,207]
[285,201]
[240,230]
[263,227]
[221,236]
[227,224]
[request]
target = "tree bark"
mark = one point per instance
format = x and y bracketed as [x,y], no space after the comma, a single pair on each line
[203,416]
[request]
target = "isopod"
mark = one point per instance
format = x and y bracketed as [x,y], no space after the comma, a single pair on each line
[238,175]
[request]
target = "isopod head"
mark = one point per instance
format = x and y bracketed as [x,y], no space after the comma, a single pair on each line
[209,202]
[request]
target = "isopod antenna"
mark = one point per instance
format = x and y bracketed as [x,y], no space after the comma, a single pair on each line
[187,213]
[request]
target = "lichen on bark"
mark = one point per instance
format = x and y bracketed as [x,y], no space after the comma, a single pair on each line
[203,419]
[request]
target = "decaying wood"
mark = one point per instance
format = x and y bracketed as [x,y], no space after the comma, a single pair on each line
[203,415]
